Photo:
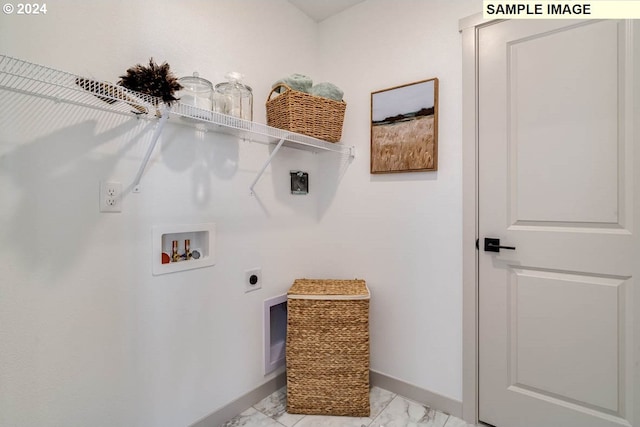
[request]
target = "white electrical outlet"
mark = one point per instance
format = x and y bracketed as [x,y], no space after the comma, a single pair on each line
[110,197]
[252,279]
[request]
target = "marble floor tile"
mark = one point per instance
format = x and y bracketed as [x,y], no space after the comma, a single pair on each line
[402,412]
[251,418]
[331,421]
[379,399]
[387,410]
[275,406]
[457,422]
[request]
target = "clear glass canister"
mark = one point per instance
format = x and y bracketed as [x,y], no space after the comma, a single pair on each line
[196,92]
[234,98]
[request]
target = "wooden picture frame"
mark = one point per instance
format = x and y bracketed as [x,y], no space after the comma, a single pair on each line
[404,128]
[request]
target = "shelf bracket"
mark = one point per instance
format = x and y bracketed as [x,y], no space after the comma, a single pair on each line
[154,139]
[352,152]
[273,154]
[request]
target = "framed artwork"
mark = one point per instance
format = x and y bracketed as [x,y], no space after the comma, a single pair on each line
[404,128]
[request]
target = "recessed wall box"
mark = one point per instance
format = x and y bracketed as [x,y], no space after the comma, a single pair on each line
[185,247]
[275,332]
[299,182]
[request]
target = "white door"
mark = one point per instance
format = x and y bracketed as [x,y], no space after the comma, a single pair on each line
[556,170]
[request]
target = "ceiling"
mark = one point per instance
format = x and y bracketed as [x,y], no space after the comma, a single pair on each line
[319,10]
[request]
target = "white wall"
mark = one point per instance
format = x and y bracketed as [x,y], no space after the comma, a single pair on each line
[402,232]
[89,336]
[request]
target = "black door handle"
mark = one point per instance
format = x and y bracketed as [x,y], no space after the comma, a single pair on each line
[493,245]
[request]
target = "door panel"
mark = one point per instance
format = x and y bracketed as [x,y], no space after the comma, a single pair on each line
[559,319]
[562,115]
[555,133]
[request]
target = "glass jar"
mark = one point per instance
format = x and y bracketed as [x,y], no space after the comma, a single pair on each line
[234,98]
[196,92]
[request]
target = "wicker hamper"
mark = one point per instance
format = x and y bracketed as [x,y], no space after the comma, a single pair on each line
[309,115]
[327,351]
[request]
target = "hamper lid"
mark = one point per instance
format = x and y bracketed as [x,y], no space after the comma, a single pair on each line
[329,289]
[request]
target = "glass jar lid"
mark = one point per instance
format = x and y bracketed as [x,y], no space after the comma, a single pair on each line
[233,86]
[196,84]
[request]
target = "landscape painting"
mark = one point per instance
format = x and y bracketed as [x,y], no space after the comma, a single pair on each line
[404,128]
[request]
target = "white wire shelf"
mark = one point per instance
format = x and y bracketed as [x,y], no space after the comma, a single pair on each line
[32,79]
[218,122]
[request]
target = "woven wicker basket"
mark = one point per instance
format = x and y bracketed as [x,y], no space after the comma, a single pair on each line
[327,348]
[309,115]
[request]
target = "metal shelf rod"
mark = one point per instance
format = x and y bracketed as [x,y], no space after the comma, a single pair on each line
[156,135]
[273,154]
